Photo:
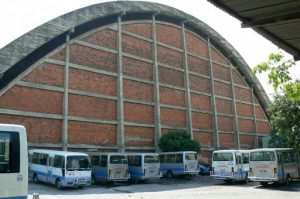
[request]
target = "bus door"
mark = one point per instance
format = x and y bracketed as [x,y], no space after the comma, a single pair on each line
[280,167]
[239,165]
[50,168]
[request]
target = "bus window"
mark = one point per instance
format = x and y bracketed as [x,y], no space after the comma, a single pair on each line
[191,156]
[222,157]
[151,159]
[95,160]
[162,158]
[262,156]
[179,158]
[103,161]
[170,158]
[245,158]
[43,159]
[9,153]
[58,161]
[118,159]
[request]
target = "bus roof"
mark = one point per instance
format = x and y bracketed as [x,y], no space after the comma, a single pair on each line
[231,151]
[133,153]
[271,149]
[55,152]
[177,152]
[106,153]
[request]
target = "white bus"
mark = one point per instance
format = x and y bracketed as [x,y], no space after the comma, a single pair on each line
[62,168]
[229,165]
[109,167]
[13,162]
[274,165]
[143,166]
[178,163]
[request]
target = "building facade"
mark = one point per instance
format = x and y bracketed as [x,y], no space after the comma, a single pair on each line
[116,76]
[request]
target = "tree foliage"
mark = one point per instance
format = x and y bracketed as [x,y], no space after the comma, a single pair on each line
[178,140]
[279,76]
[285,121]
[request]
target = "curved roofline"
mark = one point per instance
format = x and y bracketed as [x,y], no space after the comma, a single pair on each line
[29,48]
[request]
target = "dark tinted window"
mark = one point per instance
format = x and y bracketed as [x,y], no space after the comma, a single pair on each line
[103,161]
[58,161]
[134,160]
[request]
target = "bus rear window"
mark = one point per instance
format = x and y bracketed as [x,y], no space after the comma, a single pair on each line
[222,157]
[151,159]
[118,159]
[262,156]
[9,152]
[191,156]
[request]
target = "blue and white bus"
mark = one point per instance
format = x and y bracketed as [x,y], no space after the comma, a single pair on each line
[109,167]
[143,166]
[178,163]
[229,165]
[274,165]
[13,162]
[62,168]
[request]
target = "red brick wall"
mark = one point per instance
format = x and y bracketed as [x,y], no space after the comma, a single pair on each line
[47,74]
[198,65]
[137,47]
[172,117]
[96,134]
[204,138]
[104,38]
[226,140]
[33,100]
[247,141]
[244,110]
[93,58]
[43,130]
[92,82]
[139,136]
[202,120]
[196,45]
[39,130]
[171,96]
[174,39]
[201,102]
[225,123]
[138,91]
[92,107]
[139,28]
[136,68]
[138,113]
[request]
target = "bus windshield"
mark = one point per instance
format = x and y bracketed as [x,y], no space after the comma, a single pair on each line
[191,156]
[262,156]
[151,159]
[222,157]
[118,159]
[77,162]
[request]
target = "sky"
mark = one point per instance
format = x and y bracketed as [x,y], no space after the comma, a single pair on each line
[18,17]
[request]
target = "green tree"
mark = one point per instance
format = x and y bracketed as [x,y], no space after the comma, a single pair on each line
[178,140]
[279,76]
[285,121]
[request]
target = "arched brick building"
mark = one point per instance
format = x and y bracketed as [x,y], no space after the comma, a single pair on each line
[118,75]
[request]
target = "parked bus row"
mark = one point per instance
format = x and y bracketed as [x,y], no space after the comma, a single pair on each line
[265,165]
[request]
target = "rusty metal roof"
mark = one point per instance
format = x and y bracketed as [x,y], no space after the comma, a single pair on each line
[276,20]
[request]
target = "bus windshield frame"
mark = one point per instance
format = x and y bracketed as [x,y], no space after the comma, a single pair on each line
[78,163]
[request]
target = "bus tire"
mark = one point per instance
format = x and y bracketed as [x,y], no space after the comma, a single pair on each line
[264,183]
[287,180]
[58,184]
[170,174]
[35,178]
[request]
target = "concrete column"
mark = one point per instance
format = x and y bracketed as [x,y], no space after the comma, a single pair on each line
[120,106]
[236,122]
[156,86]
[66,94]
[254,117]
[189,121]
[216,141]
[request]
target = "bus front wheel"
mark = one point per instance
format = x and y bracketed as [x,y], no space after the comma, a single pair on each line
[287,180]
[58,184]
[264,183]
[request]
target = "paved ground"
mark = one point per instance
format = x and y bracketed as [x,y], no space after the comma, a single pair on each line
[203,187]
